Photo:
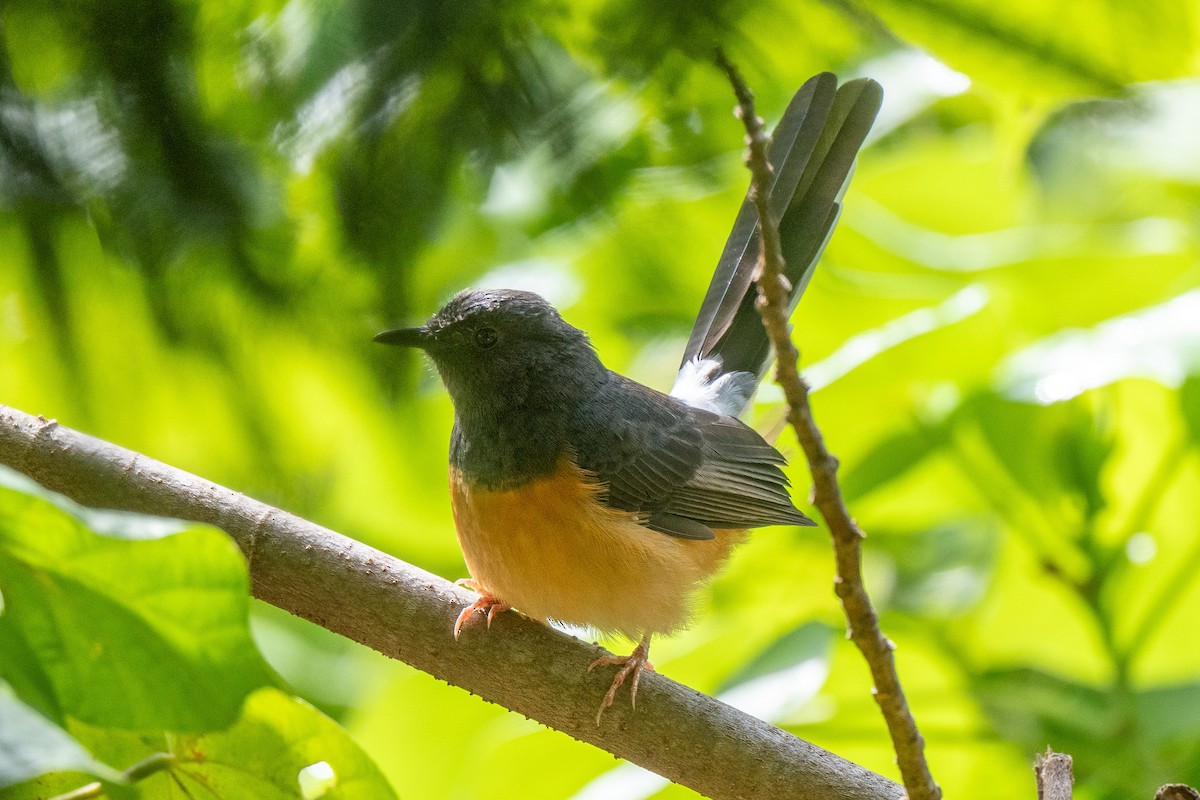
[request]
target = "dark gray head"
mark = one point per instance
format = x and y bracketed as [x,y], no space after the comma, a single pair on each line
[499,350]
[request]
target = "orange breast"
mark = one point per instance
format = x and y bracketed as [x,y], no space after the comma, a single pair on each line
[553,551]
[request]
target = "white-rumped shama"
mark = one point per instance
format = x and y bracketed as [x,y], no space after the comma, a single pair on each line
[582,496]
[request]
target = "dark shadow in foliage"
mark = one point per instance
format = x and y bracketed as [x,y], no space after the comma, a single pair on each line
[31,185]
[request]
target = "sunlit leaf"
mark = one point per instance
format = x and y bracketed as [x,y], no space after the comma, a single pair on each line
[1161,343]
[1038,48]
[31,745]
[870,344]
[138,634]
[1189,400]
[942,571]
[279,747]
[278,743]
[1046,450]
[891,458]
[785,675]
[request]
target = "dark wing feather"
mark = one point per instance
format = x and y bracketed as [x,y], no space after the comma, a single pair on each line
[745,490]
[687,470]
[641,446]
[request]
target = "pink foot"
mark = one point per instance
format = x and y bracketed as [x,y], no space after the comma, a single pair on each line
[487,602]
[631,667]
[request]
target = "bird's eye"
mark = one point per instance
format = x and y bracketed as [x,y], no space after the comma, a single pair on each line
[486,338]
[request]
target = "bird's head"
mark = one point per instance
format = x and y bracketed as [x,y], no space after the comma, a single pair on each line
[500,349]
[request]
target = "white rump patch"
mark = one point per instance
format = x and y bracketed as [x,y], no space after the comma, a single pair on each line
[701,384]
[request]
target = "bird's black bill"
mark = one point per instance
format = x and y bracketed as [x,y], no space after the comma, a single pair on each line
[404,337]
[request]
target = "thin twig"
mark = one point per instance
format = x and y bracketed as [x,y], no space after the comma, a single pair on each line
[1054,775]
[408,614]
[772,305]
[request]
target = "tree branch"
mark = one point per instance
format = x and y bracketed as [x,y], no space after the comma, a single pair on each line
[772,305]
[407,614]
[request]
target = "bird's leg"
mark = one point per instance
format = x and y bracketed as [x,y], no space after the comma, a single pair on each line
[631,667]
[487,602]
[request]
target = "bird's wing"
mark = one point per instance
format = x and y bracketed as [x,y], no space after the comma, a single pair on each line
[687,470]
[740,483]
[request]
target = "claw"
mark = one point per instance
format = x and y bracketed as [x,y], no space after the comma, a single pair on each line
[631,668]
[487,602]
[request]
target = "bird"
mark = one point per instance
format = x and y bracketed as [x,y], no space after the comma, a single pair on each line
[584,497]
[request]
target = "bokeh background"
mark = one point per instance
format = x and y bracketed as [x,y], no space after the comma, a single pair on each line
[209,207]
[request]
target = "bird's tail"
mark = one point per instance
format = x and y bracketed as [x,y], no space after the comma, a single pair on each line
[812,155]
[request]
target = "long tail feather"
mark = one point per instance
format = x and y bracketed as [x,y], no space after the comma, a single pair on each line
[812,154]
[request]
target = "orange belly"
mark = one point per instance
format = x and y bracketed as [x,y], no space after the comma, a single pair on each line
[552,551]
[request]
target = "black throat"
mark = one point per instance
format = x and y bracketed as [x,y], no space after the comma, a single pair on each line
[506,450]
[525,434]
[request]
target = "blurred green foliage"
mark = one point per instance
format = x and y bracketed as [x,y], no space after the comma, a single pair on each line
[209,207]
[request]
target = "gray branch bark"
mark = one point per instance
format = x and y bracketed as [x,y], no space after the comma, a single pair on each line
[1055,775]
[407,614]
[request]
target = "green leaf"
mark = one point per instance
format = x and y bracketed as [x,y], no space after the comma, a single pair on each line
[1189,401]
[1047,450]
[943,570]
[31,746]
[285,735]
[1036,708]
[785,675]
[260,757]
[146,634]
[1158,342]
[280,747]
[24,672]
[1169,714]
[890,459]
[1080,454]
[1050,49]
